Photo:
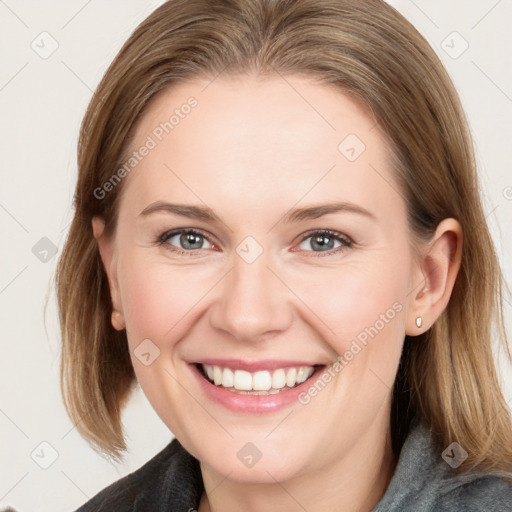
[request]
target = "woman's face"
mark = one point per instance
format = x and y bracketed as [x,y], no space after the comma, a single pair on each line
[262,231]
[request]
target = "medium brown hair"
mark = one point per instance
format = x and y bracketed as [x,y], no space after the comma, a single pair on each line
[447,375]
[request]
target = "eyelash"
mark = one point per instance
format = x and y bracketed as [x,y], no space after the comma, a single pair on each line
[346,242]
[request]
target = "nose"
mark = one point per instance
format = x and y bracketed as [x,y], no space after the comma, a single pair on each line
[254,304]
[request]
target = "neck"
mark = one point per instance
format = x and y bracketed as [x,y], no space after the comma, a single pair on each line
[354,483]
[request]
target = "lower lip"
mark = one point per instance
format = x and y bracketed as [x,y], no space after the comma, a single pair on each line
[252,404]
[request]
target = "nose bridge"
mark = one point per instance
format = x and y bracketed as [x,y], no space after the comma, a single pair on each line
[253,301]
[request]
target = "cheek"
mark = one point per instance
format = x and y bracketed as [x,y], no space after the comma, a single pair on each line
[356,302]
[150,305]
[158,299]
[359,309]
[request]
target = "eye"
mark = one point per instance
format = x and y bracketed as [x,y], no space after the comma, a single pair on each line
[324,241]
[185,240]
[188,241]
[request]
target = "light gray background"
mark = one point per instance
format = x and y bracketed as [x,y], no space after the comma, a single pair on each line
[42,101]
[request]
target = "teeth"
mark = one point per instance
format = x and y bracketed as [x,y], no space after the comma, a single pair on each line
[262,381]
[228,378]
[217,375]
[291,377]
[258,383]
[243,380]
[279,379]
[302,375]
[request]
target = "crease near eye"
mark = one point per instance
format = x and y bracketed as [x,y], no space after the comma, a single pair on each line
[188,241]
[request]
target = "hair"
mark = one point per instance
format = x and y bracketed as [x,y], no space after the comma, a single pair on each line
[447,375]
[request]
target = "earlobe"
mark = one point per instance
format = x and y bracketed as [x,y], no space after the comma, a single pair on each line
[117,321]
[439,266]
[105,248]
[98,226]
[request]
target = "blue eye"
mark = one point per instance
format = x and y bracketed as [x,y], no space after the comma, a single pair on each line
[324,241]
[188,241]
[185,239]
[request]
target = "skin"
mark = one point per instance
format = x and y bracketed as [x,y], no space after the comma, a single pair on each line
[252,150]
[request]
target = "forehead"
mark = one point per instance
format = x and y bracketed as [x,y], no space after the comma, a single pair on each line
[252,138]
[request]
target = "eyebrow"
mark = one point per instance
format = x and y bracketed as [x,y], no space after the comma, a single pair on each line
[293,215]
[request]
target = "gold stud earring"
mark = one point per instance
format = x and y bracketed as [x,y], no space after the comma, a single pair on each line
[419,321]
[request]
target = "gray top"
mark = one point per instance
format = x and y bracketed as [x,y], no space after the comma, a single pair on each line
[422,482]
[425,481]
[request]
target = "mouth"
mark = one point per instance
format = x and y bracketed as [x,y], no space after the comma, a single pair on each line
[261,382]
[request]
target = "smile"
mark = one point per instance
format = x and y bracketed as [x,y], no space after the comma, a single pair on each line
[257,383]
[253,387]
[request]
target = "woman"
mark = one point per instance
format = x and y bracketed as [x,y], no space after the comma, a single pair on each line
[278,235]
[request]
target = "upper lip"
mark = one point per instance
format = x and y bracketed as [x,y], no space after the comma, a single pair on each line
[254,366]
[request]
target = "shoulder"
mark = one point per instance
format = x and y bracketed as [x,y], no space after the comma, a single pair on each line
[485,492]
[424,482]
[171,479]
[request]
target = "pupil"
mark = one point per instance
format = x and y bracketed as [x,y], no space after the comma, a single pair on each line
[191,241]
[323,242]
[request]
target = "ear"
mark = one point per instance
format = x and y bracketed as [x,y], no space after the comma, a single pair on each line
[106,250]
[438,266]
